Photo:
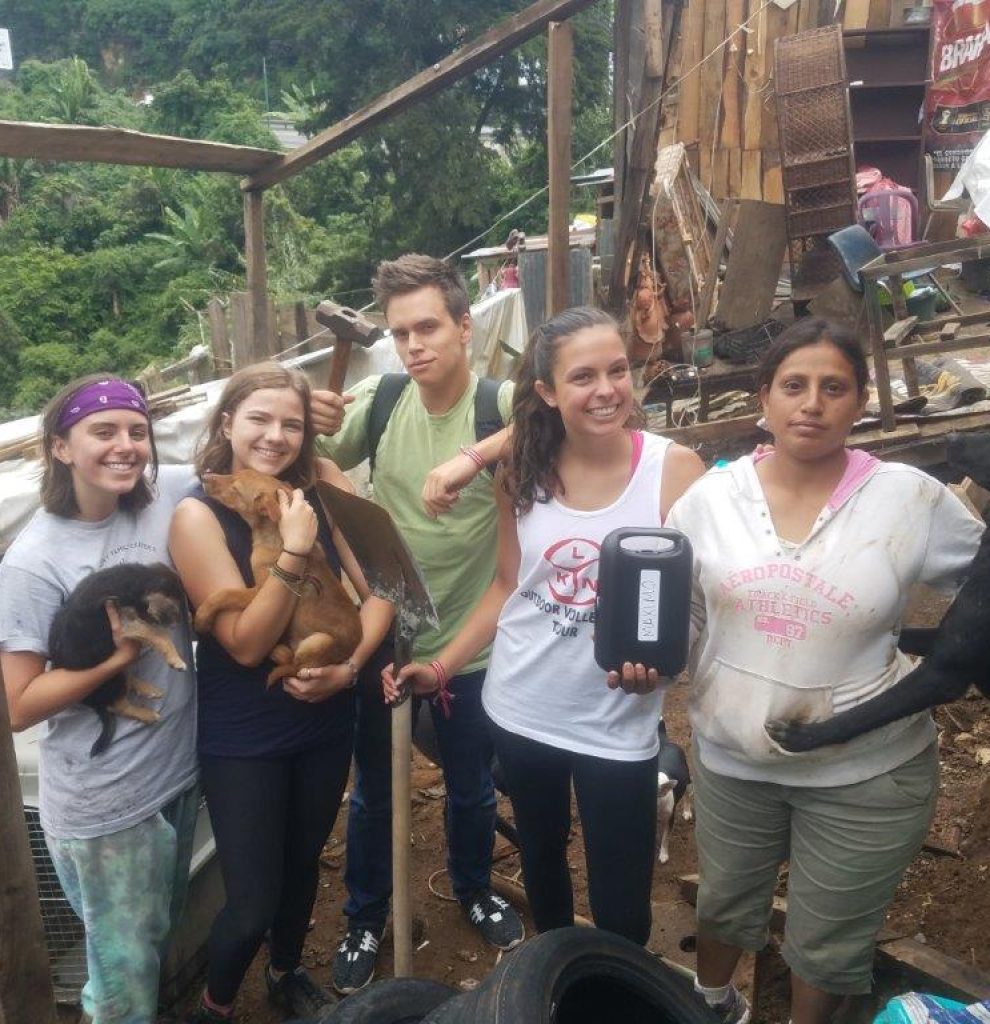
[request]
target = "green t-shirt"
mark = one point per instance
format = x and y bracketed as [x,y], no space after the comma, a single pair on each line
[456,551]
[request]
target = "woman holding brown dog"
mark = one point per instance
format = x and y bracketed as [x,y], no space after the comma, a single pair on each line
[118,824]
[274,761]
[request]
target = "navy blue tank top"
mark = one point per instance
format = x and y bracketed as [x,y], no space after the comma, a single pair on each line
[238,715]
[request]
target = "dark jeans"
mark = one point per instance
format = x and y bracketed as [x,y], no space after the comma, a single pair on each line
[271,818]
[466,751]
[617,801]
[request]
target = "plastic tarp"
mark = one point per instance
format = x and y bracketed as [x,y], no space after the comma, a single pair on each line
[499,332]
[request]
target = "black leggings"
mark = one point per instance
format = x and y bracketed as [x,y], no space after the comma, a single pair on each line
[271,818]
[617,801]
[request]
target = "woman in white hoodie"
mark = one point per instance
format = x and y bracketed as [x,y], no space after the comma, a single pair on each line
[804,556]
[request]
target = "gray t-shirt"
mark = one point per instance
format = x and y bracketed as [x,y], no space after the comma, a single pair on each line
[146,765]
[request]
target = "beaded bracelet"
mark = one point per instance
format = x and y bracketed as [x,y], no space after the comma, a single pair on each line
[354,673]
[472,454]
[289,580]
[443,697]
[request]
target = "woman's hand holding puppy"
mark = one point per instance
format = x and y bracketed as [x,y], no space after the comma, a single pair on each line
[127,650]
[297,524]
[314,685]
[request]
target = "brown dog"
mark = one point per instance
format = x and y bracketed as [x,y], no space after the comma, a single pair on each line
[325,627]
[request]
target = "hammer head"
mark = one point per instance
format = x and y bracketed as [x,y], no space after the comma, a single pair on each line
[347,324]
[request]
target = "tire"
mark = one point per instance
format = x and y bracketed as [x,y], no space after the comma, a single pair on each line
[454,1010]
[392,1001]
[581,976]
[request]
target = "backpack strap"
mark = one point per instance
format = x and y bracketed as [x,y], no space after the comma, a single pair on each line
[387,395]
[487,418]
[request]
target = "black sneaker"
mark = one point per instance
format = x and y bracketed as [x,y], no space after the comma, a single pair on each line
[354,962]
[499,924]
[297,994]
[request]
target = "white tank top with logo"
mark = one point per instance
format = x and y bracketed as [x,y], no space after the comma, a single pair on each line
[543,681]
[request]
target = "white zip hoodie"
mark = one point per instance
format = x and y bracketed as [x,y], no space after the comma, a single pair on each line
[808,630]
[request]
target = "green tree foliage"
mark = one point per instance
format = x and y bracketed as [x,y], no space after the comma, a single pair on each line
[103,266]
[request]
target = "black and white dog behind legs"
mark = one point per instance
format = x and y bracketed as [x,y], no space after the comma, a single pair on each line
[673,788]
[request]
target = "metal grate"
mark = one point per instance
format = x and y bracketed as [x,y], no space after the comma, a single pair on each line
[64,934]
[816,150]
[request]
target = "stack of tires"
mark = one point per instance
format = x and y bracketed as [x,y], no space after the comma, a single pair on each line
[569,976]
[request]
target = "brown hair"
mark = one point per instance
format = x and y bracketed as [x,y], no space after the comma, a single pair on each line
[531,474]
[214,454]
[413,271]
[812,331]
[58,493]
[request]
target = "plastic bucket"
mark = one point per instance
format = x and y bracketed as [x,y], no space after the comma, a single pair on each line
[698,347]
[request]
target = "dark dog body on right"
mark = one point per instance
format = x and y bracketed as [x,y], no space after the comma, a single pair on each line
[957,653]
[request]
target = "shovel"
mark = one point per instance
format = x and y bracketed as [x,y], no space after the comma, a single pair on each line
[393,575]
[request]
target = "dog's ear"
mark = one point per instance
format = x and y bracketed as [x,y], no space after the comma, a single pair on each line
[267,504]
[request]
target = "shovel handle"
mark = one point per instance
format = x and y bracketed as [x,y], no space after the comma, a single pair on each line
[401,820]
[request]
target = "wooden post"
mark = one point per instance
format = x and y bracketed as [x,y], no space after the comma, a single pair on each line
[560,45]
[302,328]
[25,982]
[219,342]
[242,353]
[257,274]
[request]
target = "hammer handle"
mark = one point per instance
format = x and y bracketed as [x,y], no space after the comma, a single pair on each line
[338,364]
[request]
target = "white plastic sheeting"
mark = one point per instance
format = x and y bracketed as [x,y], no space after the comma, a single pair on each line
[499,333]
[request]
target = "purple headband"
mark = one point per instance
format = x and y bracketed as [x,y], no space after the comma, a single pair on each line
[100,396]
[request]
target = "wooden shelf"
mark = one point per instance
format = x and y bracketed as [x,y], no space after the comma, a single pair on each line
[855,86]
[895,30]
[886,138]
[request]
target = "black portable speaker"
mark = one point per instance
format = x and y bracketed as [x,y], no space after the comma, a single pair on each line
[643,610]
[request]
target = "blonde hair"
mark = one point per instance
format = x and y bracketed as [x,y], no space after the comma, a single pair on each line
[214,453]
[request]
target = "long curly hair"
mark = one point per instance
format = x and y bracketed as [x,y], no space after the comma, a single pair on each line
[531,473]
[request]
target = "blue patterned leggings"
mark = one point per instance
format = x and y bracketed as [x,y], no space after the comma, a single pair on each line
[128,888]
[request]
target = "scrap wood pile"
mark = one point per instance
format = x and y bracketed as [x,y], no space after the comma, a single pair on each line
[160,405]
[692,326]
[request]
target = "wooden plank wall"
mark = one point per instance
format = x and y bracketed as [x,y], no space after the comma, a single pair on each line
[724,111]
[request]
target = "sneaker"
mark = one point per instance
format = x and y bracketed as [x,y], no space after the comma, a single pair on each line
[733,1010]
[499,924]
[297,994]
[354,962]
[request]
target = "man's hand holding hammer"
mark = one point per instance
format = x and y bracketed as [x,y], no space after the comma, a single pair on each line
[327,410]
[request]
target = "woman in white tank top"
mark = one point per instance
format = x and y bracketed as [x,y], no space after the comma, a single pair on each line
[576,473]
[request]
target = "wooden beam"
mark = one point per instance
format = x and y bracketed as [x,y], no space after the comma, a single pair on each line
[257,273]
[81,144]
[461,63]
[642,159]
[25,981]
[560,92]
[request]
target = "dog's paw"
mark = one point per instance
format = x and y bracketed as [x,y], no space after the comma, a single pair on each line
[142,689]
[177,663]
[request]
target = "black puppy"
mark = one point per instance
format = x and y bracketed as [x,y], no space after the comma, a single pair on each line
[957,653]
[673,783]
[149,599]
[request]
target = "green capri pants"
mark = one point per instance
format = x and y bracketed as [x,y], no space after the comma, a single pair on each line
[848,847]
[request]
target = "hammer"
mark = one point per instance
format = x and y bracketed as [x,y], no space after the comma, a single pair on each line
[348,327]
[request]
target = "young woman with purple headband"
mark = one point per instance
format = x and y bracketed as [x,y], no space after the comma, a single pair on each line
[118,825]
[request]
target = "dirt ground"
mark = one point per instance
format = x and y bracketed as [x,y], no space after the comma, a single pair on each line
[944,899]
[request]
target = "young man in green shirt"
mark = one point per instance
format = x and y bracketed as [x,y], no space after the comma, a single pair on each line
[427,474]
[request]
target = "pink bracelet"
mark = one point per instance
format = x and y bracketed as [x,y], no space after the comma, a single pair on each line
[444,696]
[472,454]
